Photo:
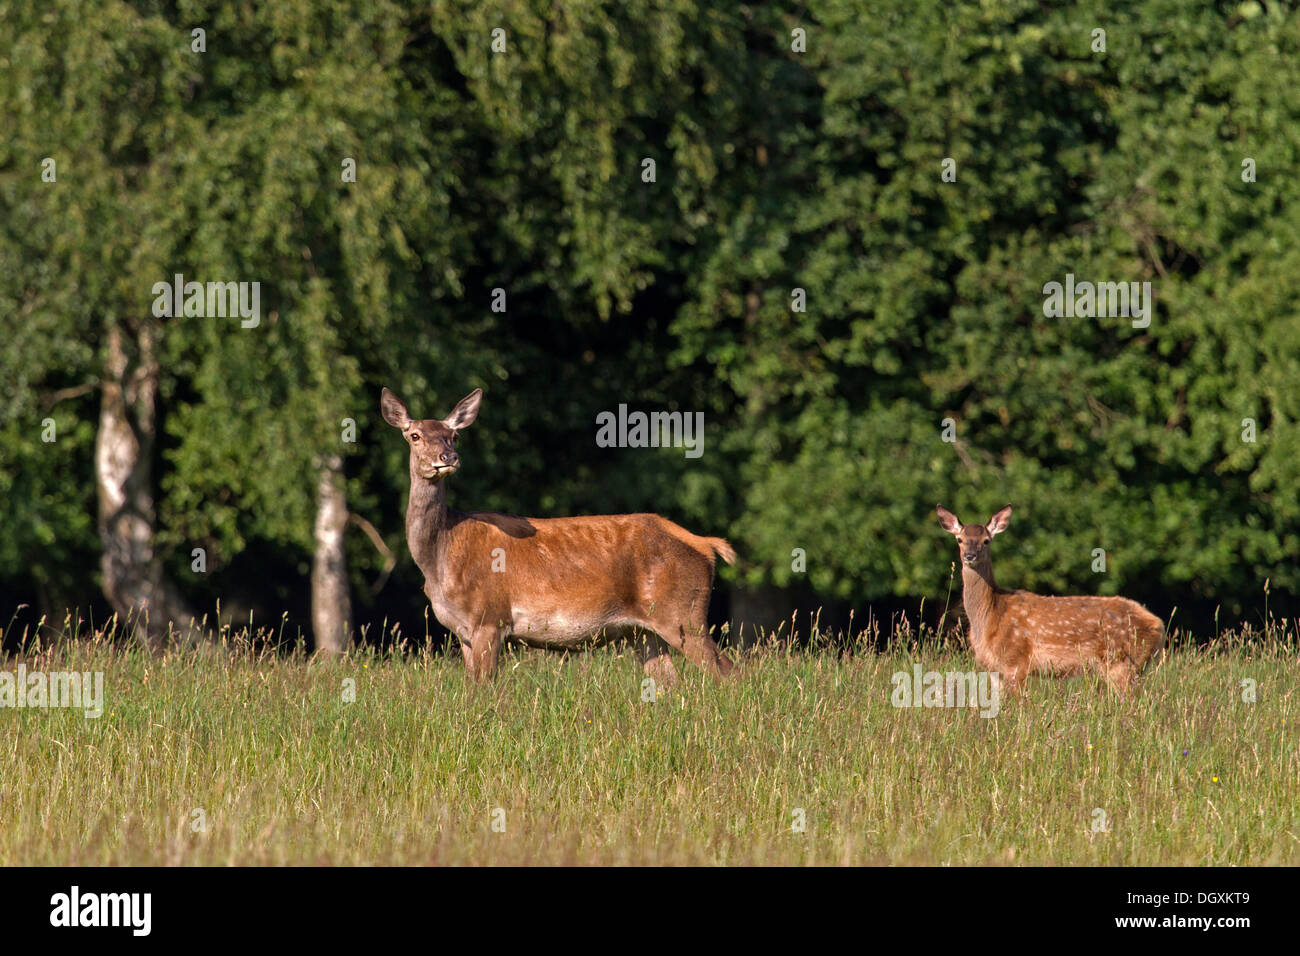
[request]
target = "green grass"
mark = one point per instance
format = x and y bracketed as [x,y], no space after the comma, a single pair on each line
[287,772]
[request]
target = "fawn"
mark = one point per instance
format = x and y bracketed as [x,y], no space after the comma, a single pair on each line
[557,583]
[1017,633]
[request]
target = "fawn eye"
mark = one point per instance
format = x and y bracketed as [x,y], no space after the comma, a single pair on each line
[415,436]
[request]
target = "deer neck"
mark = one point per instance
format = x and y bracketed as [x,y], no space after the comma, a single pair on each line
[426,519]
[978,594]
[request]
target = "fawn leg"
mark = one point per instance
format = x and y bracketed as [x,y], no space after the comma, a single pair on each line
[1013,680]
[1119,674]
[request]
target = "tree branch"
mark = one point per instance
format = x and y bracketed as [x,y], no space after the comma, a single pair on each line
[390,559]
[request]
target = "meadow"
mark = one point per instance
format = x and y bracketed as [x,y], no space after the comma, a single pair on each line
[228,754]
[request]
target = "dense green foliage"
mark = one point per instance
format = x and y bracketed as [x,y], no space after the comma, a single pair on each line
[776,169]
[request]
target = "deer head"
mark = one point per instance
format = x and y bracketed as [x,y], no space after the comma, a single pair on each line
[973,539]
[433,442]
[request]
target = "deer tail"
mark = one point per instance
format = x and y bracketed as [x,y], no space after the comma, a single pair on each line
[725,551]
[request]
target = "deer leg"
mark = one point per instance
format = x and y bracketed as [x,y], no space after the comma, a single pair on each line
[691,637]
[1119,674]
[680,616]
[1013,680]
[726,666]
[481,649]
[655,660]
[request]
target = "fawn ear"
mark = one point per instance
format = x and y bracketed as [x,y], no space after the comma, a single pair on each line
[999,521]
[394,411]
[463,415]
[948,520]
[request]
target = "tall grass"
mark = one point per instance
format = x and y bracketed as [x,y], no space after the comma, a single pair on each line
[228,755]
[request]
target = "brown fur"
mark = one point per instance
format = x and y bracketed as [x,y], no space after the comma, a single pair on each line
[1017,633]
[566,583]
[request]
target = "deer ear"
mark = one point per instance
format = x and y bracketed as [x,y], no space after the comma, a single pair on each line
[999,521]
[463,415]
[394,411]
[948,520]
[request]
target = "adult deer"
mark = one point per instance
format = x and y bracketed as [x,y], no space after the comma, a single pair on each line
[557,583]
[1017,633]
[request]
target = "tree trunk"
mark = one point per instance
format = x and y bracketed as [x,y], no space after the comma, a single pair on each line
[134,582]
[331,602]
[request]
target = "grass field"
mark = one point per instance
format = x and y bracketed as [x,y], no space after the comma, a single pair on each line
[230,756]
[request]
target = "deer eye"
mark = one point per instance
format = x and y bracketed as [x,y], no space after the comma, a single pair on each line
[415,436]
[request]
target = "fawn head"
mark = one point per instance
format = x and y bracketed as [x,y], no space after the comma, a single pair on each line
[433,442]
[973,539]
